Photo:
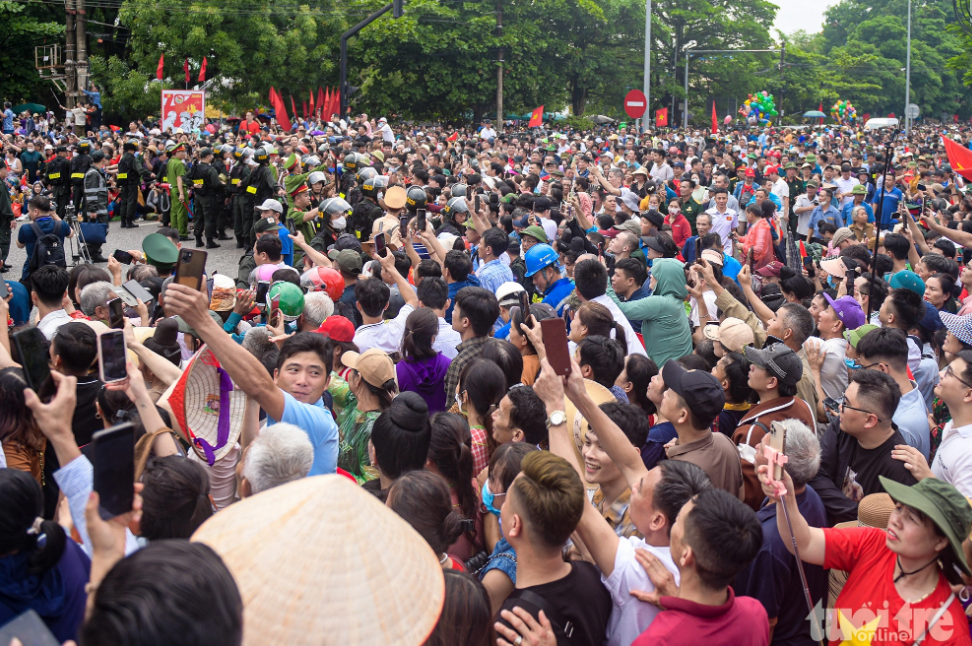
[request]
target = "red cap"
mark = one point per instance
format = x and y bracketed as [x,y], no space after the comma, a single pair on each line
[750,172]
[338,328]
[772,169]
[772,269]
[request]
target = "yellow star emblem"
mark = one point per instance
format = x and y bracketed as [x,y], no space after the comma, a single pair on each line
[856,636]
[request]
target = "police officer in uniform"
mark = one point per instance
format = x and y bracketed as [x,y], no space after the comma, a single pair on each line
[222,166]
[352,166]
[128,179]
[262,185]
[206,187]
[79,166]
[240,204]
[415,199]
[59,179]
[96,199]
[366,210]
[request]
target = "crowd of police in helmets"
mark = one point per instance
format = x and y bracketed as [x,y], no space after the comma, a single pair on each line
[494,385]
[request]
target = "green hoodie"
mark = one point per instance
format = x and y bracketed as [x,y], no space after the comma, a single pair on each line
[665,327]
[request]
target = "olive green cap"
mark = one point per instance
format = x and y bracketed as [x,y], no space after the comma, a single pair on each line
[159,250]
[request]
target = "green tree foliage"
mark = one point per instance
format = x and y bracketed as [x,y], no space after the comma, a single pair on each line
[22,27]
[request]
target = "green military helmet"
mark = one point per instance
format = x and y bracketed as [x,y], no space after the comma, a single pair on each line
[335,205]
[374,186]
[459,190]
[453,206]
[289,299]
[416,198]
[262,155]
[351,162]
[84,146]
[365,173]
[238,153]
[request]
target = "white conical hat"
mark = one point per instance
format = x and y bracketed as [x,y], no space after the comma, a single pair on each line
[319,561]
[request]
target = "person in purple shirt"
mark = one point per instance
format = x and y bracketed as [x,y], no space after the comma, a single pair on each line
[422,369]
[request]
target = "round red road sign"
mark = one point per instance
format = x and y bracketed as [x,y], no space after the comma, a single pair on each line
[635,104]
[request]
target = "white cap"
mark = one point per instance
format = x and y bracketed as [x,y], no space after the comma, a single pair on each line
[383,119]
[271,205]
[508,292]
[550,228]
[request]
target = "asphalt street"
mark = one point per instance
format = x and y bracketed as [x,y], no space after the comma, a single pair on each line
[224,260]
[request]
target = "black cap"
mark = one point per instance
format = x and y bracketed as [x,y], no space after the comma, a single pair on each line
[97,156]
[656,218]
[263,225]
[701,391]
[665,246]
[779,360]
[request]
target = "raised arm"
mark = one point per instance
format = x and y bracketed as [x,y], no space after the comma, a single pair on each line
[319,259]
[809,540]
[246,371]
[761,309]
[408,292]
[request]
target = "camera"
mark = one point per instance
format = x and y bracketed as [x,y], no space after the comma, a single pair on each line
[69,213]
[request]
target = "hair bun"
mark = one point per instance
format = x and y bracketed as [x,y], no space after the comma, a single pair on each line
[166,333]
[409,411]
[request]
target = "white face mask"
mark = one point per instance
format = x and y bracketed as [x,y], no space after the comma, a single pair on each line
[339,224]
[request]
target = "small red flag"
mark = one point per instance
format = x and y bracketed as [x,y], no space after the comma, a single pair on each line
[311,104]
[185,68]
[158,70]
[661,118]
[866,116]
[536,118]
[305,110]
[959,157]
[322,103]
[715,120]
[276,100]
[453,136]
[202,71]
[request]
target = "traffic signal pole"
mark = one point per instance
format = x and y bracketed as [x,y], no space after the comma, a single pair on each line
[397,7]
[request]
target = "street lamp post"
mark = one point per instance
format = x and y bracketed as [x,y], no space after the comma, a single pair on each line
[689,45]
[908,76]
[644,121]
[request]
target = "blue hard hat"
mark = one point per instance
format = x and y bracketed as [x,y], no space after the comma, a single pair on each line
[540,256]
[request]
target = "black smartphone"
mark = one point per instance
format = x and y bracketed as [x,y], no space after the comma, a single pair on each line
[190,268]
[114,469]
[403,227]
[476,202]
[33,350]
[4,289]
[291,228]
[566,314]
[261,293]
[209,287]
[420,220]
[30,629]
[112,356]
[525,309]
[555,341]
[116,314]
[139,292]
[831,404]
[609,259]
[123,257]
[380,248]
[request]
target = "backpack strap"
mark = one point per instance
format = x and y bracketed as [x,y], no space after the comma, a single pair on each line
[557,622]
[37,230]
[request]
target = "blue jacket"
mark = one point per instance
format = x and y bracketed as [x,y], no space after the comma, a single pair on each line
[557,294]
[471,281]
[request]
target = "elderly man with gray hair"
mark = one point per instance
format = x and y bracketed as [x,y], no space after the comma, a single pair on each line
[317,307]
[280,454]
[773,578]
[94,300]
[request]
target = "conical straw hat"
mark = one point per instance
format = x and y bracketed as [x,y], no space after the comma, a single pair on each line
[319,561]
[578,425]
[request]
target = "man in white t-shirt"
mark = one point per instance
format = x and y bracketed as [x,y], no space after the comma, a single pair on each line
[780,188]
[487,132]
[805,204]
[385,130]
[655,498]
[724,219]
[844,185]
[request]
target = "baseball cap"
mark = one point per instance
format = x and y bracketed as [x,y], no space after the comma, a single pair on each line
[841,235]
[395,197]
[772,269]
[701,391]
[854,336]
[959,326]
[734,334]
[338,328]
[631,226]
[779,360]
[346,241]
[750,172]
[848,311]
[834,267]
[905,279]
[262,225]
[347,260]
[271,205]
[664,247]
[374,366]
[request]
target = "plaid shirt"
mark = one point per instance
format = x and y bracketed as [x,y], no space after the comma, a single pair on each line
[480,449]
[618,514]
[468,350]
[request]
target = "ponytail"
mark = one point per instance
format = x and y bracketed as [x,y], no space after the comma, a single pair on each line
[621,337]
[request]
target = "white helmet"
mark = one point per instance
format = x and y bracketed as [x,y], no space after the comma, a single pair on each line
[315,177]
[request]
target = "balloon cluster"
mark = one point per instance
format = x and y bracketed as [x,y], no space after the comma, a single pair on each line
[759,107]
[843,112]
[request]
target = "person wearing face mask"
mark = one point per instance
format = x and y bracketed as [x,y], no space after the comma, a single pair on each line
[373,387]
[32,161]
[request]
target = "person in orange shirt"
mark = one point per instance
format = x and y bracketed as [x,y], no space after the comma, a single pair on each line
[758,240]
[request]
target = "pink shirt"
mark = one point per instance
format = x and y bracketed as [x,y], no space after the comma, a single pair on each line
[741,621]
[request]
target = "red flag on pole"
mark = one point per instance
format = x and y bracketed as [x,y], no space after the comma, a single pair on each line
[453,136]
[326,107]
[661,118]
[276,100]
[158,70]
[820,109]
[715,120]
[185,68]
[305,110]
[322,103]
[536,118]
[311,103]
[959,157]
[202,71]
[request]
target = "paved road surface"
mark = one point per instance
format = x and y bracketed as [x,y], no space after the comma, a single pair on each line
[224,260]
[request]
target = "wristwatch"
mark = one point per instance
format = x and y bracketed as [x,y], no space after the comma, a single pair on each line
[556,418]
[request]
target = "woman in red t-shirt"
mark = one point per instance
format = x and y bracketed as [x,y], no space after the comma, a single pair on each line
[898,585]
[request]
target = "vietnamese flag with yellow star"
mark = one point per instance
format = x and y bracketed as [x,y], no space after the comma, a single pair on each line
[959,157]
[536,118]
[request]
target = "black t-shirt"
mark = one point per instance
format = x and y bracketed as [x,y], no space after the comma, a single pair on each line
[579,598]
[86,422]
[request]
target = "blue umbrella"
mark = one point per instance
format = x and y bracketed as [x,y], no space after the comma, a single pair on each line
[814,114]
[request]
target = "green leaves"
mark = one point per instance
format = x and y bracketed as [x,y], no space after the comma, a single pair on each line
[22,27]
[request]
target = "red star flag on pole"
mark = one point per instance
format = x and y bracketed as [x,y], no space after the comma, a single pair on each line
[959,157]
[715,120]
[202,71]
[536,118]
[158,70]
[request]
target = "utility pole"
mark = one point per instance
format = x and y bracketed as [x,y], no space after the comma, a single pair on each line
[685,105]
[81,62]
[783,77]
[499,72]
[396,6]
[647,88]
[908,77]
[70,54]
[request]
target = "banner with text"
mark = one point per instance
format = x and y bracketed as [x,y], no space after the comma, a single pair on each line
[183,109]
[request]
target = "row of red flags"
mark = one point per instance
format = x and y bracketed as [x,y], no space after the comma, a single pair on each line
[325,104]
[185,67]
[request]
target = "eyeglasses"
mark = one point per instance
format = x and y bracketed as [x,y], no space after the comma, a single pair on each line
[870,365]
[844,405]
[951,373]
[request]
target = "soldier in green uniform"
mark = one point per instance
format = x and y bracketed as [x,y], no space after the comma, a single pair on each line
[160,253]
[206,187]
[59,179]
[6,218]
[178,191]
[128,179]
[241,205]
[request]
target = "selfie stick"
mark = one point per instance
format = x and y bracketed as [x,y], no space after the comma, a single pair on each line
[878,217]
[774,458]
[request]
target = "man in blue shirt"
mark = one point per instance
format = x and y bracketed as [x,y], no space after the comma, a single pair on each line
[493,273]
[457,272]
[543,266]
[825,212]
[293,395]
[8,117]
[39,211]
[892,196]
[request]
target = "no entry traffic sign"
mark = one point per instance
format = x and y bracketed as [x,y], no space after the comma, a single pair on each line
[635,104]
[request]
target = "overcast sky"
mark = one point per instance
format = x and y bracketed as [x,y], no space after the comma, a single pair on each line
[804,14]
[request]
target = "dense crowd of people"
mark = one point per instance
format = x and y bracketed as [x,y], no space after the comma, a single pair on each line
[378,434]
